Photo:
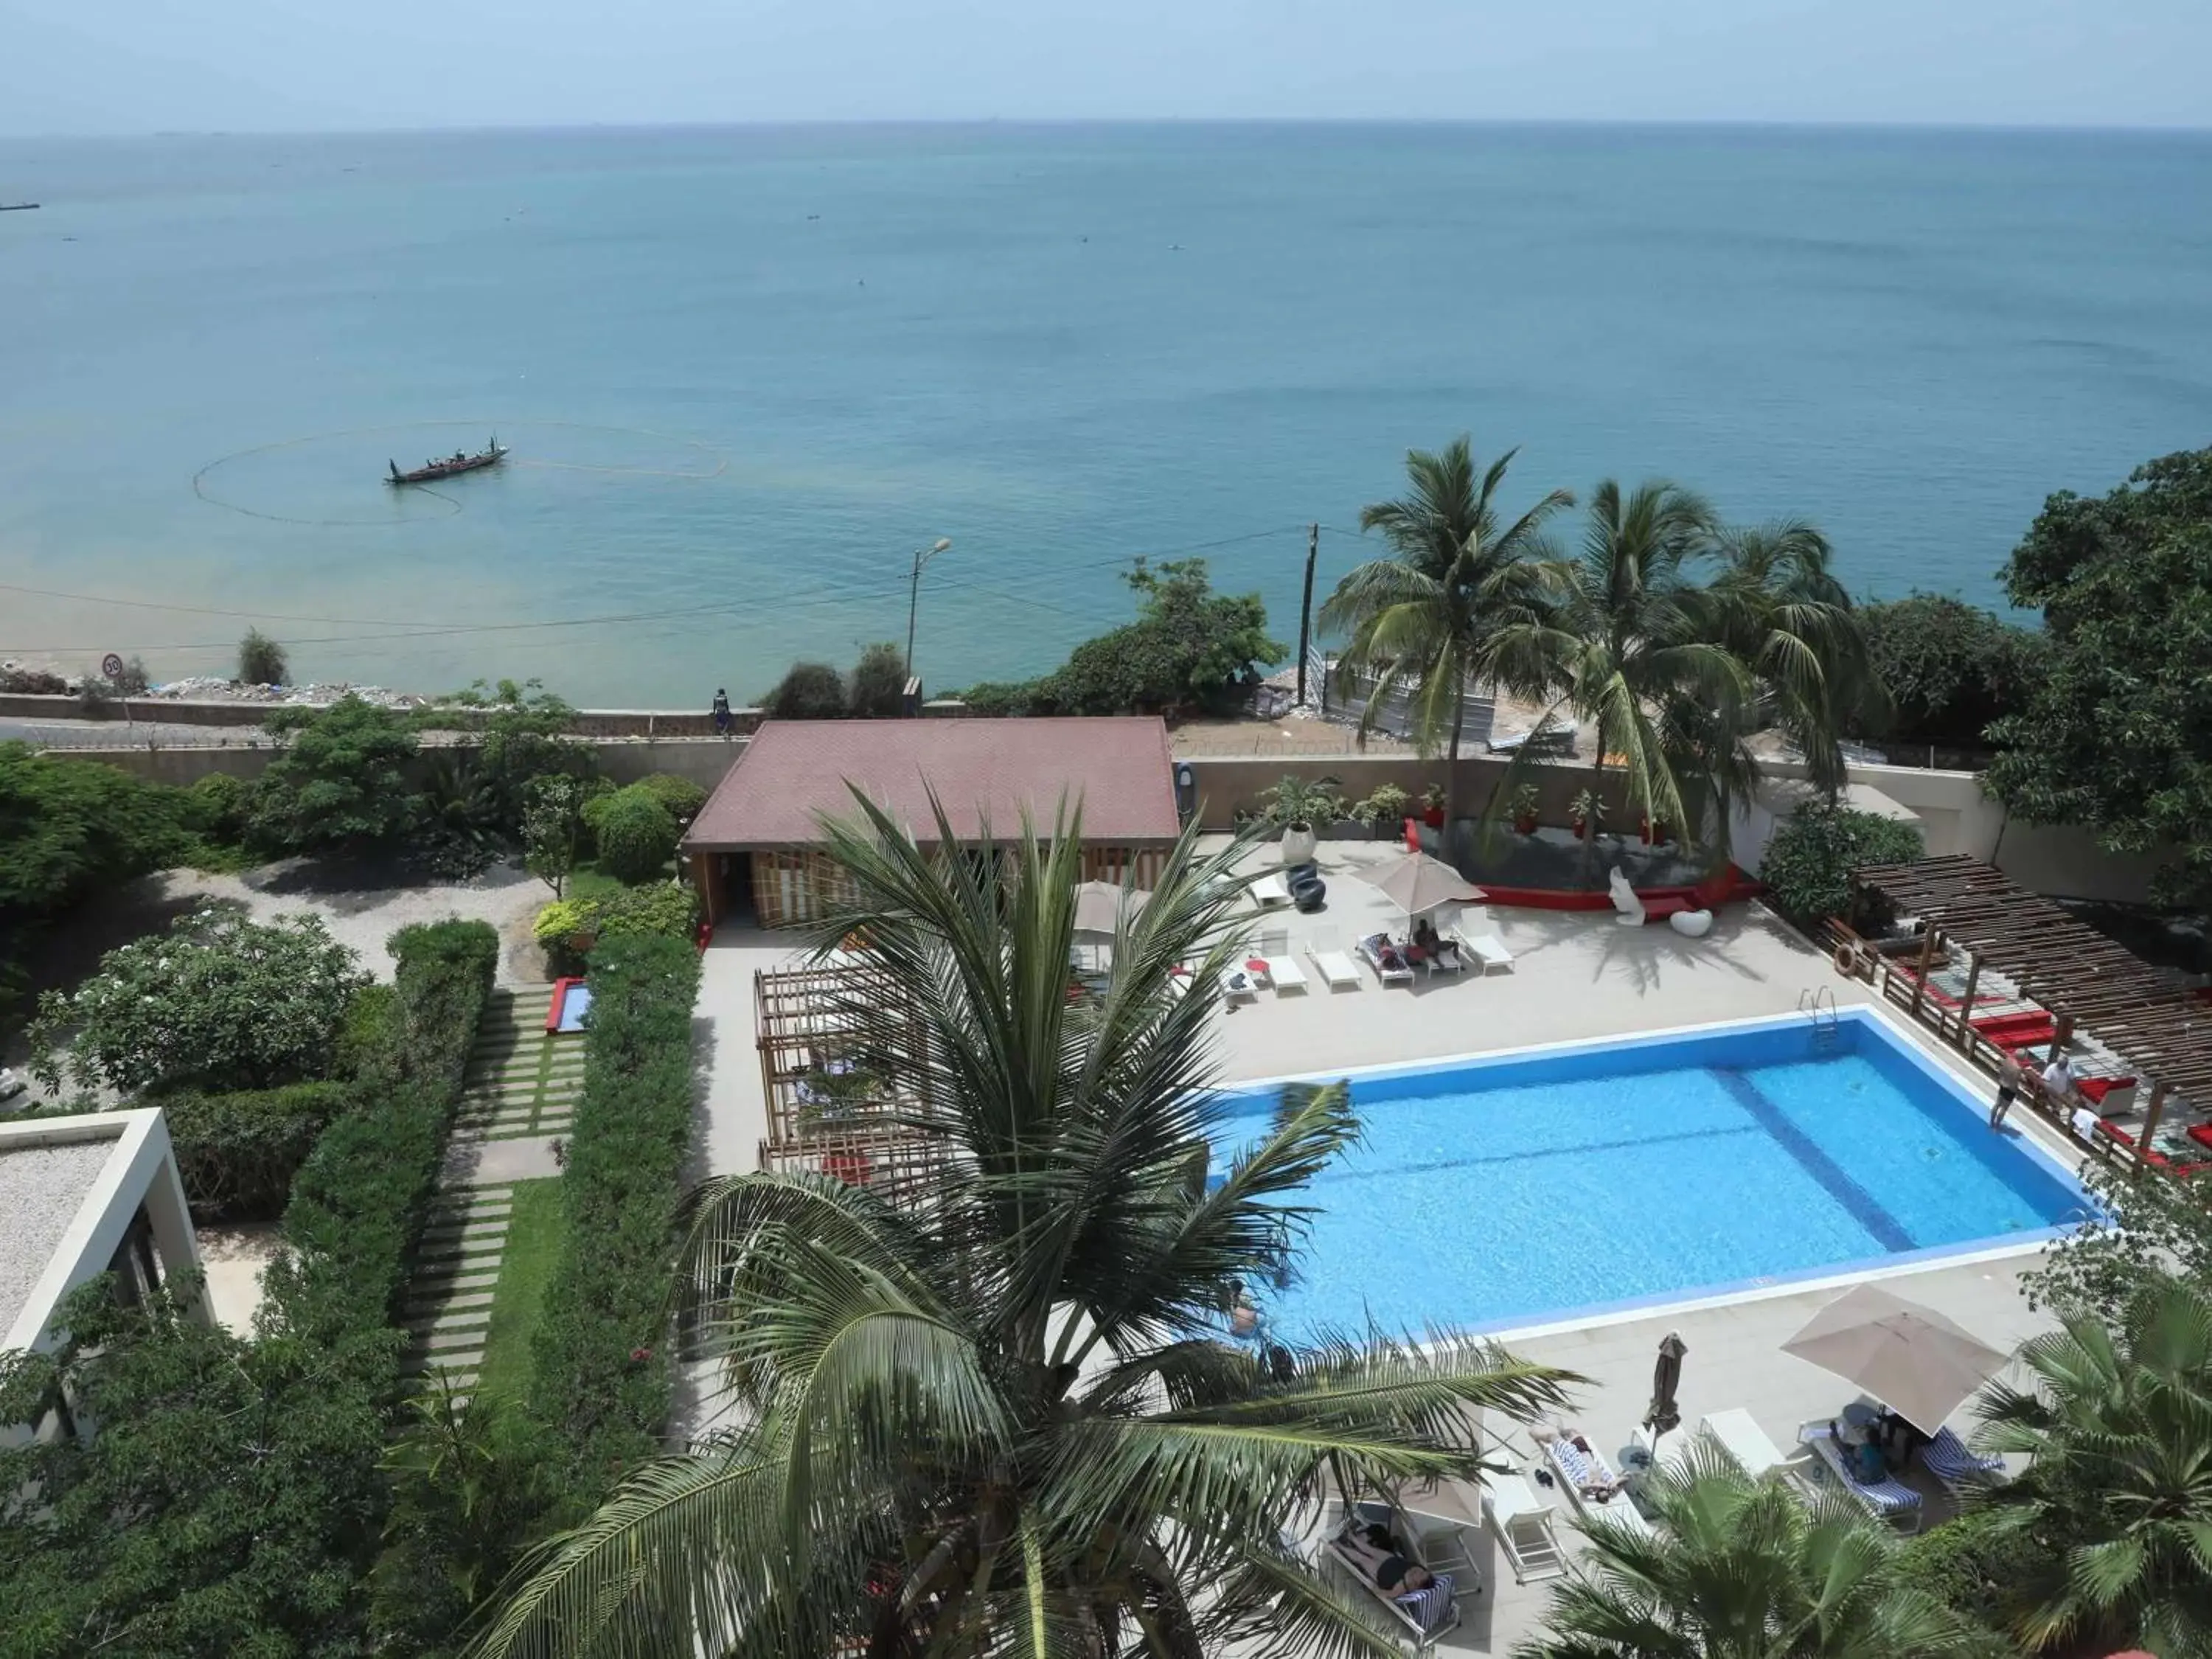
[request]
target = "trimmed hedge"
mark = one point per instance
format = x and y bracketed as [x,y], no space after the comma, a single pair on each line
[602,1378]
[635,833]
[238,1154]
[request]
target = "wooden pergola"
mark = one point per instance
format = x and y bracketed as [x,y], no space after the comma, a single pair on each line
[2156,1025]
[825,1116]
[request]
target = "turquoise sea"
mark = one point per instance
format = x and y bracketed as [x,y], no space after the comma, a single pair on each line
[745,372]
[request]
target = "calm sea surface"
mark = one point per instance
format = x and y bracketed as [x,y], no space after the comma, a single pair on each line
[745,372]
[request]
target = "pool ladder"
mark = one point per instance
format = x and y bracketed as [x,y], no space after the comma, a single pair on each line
[1818,1003]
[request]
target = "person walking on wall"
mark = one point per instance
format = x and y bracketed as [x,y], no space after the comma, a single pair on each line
[2008,1090]
[721,713]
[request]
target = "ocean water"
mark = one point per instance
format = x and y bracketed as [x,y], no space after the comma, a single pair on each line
[746,372]
[1530,1187]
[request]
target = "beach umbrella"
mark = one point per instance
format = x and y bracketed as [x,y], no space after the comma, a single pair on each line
[1666,1378]
[1417,883]
[1911,1359]
[1100,905]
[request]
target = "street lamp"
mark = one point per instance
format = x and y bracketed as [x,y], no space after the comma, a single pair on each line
[922,555]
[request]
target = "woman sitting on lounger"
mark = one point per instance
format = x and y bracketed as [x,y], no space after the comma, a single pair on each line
[1394,1573]
[1433,944]
[1388,955]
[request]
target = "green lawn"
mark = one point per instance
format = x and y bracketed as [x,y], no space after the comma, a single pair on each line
[534,1228]
[586,881]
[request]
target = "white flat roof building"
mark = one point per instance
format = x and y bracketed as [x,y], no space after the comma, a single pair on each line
[82,1196]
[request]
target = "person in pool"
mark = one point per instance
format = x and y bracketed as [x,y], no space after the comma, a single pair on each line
[1244,1317]
[1377,1554]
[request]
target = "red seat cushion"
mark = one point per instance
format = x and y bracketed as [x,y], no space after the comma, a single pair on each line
[2094,1089]
[1990,1025]
[2201,1133]
[2116,1132]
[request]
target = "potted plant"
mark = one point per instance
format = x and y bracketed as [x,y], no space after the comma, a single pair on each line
[1385,808]
[1432,806]
[1299,804]
[1588,811]
[1521,807]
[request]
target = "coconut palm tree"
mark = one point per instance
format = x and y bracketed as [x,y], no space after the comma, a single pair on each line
[1740,1569]
[1632,644]
[1422,620]
[991,1408]
[1790,622]
[2119,1423]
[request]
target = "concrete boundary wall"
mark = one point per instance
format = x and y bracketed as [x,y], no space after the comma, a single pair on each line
[590,722]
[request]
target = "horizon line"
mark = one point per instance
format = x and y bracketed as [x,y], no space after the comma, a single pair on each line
[1736,124]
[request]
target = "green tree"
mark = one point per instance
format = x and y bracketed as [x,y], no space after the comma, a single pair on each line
[343,782]
[1742,1569]
[553,832]
[808,691]
[1425,622]
[682,797]
[1189,650]
[261,661]
[528,735]
[2117,732]
[1808,865]
[1000,1415]
[218,1002]
[2118,1423]
[635,835]
[879,689]
[1630,643]
[1951,670]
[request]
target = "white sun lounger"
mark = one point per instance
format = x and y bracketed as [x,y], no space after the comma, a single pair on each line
[1338,969]
[1577,1469]
[1487,949]
[1889,1500]
[1400,975]
[1269,892]
[1738,1434]
[1523,1526]
[1283,970]
[1426,1615]
[1238,985]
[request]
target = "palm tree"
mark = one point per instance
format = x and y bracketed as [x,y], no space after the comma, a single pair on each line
[1636,649]
[2119,1423]
[1740,1569]
[993,1410]
[1422,620]
[1791,623]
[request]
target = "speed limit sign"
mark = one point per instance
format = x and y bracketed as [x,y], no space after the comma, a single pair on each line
[111,667]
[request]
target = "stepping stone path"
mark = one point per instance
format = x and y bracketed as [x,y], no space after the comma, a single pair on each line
[522,1080]
[456,1271]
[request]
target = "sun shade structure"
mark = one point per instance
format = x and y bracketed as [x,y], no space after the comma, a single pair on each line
[1911,1359]
[1417,883]
[758,842]
[2161,1030]
[1664,1413]
[1100,905]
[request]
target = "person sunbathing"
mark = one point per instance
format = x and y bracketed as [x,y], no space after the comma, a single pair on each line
[1376,1554]
[1597,1490]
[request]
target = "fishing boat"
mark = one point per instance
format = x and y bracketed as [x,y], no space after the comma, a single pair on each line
[450,466]
[18,207]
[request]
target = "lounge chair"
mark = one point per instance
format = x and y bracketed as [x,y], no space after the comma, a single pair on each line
[1736,1432]
[1426,1615]
[1886,1499]
[1283,968]
[1338,969]
[1951,1460]
[1577,1469]
[1270,891]
[1524,1525]
[1387,960]
[1487,949]
[1238,985]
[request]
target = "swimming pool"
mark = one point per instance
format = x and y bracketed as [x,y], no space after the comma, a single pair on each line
[1511,1189]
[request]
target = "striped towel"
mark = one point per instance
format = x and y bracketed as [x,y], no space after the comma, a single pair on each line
[1430,1608]
[1948,1458]
[1584,1468]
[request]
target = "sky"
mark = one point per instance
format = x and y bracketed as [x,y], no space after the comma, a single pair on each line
[137,66]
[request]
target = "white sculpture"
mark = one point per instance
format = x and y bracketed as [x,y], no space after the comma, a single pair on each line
[1625,900]
[1691,924]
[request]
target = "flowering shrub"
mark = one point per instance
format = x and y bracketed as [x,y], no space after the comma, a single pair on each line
[219,1002]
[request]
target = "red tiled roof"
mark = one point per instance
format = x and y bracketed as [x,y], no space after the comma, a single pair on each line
[792,770]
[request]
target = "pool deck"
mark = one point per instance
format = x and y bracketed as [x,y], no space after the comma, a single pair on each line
[1575,976]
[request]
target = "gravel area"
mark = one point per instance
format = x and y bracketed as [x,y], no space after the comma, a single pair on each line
[361,913]
[41,1190]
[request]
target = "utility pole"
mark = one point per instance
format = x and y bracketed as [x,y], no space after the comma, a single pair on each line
[922,555]
[1305,610]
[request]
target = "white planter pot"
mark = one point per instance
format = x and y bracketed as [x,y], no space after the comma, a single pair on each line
[1298,843]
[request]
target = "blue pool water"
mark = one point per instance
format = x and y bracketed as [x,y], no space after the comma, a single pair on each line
[1491,1193]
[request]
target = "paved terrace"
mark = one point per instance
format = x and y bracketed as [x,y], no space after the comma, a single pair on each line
[1575,976]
